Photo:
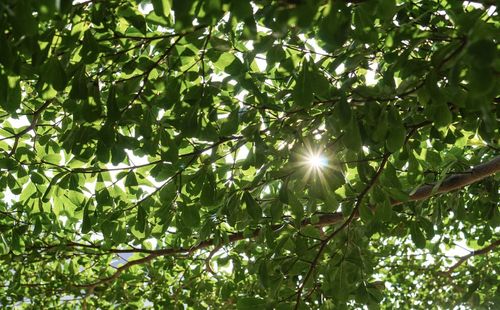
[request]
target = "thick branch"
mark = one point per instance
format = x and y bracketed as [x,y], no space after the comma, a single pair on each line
[451,183]
[457,181]
[463,259]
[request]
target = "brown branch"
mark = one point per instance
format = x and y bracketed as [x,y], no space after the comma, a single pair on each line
[463,259]
[451,183]
[209,257]
[90,287]
[32,126]
[90,246]
[456,181]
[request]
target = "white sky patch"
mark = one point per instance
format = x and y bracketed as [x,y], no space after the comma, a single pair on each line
[241,98]
[249,45]
[491,10]
[96,236]
[218,77]
[63,219]
[121,259]
[161,112]
[460,249]
[261,62]
[241,154]
[370,74]
[340,69]
[222,115]
[153,242]
[9,198]
[20,121]
[228,268]
[145,8]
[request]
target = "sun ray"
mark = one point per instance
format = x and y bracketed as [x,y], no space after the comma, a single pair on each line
[315,164]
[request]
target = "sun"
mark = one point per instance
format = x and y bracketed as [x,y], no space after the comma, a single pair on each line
[316,161]
[313,161]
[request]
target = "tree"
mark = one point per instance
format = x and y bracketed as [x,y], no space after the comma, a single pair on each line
[233,154]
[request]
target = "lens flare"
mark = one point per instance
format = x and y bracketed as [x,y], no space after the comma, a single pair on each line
[316,161]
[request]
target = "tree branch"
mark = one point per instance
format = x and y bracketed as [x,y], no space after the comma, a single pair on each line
[463,259]
[456,181]
[451,183]
[32,126]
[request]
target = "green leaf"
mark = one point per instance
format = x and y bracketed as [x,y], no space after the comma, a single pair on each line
[230,124]
[190,215]
[177,133]
[427,226]
[252,206]
[79,88]
[397,134]
[224,61]
[8,163]
[87,221]
[131,179]
[168,192]
[24,22]
[37,178]
[249,303]
[384,212]
[390,178]
[311,231]
[10,93]
[397,194]
[417,236]
[241,9]
[162,7]
[4,247]
[52,158]
[296,207]
[381,128]
[352,136]
[342,112]
[140,223]
[283,193]
[386,9]
[441,114]
[303,90]
[119,234]
[54,74]
[113,112]
[220,45]
[208,191]
[334,28]
[365,213]
[264,274]
[483,52]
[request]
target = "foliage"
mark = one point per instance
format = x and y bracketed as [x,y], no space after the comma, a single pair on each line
[175,134]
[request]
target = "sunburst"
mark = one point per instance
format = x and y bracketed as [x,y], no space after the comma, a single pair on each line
[315,161]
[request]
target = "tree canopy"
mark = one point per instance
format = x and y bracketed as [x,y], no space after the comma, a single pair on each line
[233,154]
